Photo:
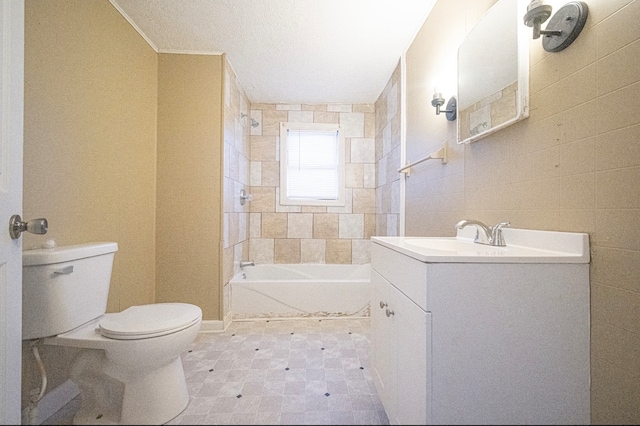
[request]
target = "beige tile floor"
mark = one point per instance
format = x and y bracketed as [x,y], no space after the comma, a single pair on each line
[300,371]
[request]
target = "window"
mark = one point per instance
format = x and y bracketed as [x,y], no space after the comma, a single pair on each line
[311,164]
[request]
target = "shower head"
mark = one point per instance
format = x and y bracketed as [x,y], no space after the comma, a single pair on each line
[254,123]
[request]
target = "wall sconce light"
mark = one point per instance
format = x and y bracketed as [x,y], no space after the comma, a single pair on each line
[563,28]
[451,110]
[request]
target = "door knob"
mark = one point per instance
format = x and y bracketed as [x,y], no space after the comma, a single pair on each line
[35,226]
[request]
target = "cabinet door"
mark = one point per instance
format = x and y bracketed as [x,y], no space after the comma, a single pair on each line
[383,355]
[412,330]
[400,343]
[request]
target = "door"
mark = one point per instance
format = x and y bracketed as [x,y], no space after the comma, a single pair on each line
[11,122]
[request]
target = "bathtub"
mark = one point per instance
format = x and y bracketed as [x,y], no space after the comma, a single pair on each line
[301,291]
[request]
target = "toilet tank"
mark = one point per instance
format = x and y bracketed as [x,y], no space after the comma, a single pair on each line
[64,287]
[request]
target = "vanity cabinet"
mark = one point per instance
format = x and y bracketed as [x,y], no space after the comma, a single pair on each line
[479,343]
[400,346]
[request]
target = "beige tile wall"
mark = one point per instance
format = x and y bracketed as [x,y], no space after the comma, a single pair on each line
[236,177]
[388,156]
[573,165]
[300,234]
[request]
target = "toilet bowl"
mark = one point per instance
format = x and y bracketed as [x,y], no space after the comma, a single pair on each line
[128,369]
[138,363]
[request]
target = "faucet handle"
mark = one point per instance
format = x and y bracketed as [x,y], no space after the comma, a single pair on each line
[496,234]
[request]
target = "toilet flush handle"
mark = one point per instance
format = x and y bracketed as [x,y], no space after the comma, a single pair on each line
[64,271]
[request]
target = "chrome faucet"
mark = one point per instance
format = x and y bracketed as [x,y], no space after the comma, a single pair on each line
[244,263]
[492,235]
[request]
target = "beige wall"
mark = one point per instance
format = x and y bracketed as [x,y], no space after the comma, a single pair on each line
[90,136]
[189,189]
[90,145]
[573,165]
[122,144]
[311,234]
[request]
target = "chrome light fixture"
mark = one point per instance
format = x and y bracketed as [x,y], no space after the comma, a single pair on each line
[563,28]
[451,110]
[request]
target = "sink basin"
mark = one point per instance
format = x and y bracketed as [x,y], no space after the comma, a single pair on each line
[522,246]
[453,245]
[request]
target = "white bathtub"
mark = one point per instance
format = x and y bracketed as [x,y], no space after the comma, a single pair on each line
[301,291]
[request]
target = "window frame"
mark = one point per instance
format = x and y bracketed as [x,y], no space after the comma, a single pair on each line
[284,200]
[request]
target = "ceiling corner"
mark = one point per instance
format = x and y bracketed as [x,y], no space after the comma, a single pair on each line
[115,4]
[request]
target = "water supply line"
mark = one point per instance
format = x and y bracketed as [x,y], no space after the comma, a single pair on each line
[36,395]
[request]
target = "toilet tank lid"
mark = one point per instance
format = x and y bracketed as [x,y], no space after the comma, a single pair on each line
[47,256]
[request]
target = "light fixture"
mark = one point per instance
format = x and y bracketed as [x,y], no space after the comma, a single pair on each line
[438,101]
[563,28]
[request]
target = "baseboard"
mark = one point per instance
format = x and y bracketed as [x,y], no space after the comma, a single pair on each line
[217,326]
[52,402]
[212,326]
[227,320]
[319,318]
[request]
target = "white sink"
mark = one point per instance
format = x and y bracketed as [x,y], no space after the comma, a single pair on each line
[522,246]
[452,245]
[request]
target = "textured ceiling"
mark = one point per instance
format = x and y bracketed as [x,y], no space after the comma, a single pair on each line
[289,51]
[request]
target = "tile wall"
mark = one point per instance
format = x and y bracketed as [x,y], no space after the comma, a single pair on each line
[299,234]
[264,231]
[573,165]
[388,157]
[235,244]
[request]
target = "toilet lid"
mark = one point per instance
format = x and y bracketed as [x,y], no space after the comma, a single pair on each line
[144,321]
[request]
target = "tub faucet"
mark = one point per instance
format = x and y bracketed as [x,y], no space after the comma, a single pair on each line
[244,263]
[491,235]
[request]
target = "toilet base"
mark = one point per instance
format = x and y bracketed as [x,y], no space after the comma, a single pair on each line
[111,394]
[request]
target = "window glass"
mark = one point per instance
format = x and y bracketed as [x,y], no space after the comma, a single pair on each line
[312,164]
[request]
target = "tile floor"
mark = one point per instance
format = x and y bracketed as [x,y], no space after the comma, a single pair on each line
[278,372]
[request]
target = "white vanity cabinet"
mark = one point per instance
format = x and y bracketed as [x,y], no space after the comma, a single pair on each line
[399,352]
[479,342]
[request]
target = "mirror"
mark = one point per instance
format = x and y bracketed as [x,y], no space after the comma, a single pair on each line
[493,72]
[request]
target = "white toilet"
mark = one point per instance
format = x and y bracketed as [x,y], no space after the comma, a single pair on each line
[129,370]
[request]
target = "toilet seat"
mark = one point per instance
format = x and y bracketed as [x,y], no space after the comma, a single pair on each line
[145,321]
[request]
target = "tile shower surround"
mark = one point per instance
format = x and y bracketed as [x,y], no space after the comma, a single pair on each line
[278,372]
[265,232]
[305,234]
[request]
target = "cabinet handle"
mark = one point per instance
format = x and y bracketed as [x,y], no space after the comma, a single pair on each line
[389,313]
[382,304]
